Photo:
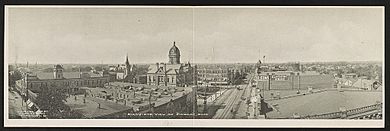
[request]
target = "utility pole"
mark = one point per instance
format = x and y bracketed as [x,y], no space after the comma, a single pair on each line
[259,55]
[263,88]
[150,103]
[16,60]
[292,81]
[269,80]
[194,92]
[213,56]
[299,81]
[26,91]
[194,104]
[205,100]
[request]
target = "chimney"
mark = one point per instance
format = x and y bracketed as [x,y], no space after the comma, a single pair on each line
[158,65]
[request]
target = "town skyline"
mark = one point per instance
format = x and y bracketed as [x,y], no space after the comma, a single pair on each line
[74,36]
[194,62]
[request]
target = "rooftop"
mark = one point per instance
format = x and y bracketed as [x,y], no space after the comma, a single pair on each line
[289,73]
[69,75]
[324,102]
[110,106]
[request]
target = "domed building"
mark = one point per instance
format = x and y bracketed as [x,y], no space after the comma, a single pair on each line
[172,73]
[174,55]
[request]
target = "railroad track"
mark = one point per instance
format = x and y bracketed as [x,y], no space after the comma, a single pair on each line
[222,97]
[226,112]
[231,103]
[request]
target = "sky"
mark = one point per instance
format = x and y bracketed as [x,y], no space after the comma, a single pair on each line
[237,35]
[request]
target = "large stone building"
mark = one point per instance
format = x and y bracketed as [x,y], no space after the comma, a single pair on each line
[213,75]
[173,73]
[221,74]
[38,81]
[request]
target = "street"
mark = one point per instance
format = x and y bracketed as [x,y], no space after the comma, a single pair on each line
[17,107]
[233,102]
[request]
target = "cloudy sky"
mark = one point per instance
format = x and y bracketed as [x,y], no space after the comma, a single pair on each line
[93,35]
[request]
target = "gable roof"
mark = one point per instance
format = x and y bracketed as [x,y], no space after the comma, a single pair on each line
[170,68]
[172,71]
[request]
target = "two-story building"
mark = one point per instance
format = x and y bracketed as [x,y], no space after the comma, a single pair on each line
[39,81]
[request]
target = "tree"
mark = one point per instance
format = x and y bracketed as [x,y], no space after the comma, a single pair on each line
[13,77]
[75,69]
[11,68]
[380,74]
[52,100]
[86,69]
[237,78]
[98,68]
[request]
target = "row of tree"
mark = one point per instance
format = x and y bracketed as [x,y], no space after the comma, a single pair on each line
[237,78]
[13,75]
[52,101]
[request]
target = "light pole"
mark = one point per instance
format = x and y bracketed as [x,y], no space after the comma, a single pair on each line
[269,80]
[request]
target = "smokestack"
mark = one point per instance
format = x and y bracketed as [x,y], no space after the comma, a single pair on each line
[212,56]
[263,59]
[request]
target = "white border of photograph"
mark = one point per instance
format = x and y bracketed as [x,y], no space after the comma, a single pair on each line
[241,123]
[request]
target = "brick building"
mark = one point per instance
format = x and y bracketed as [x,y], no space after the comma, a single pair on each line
[293,80]
[73,80]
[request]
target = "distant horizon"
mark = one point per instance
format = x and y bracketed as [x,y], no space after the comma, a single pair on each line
[371,61]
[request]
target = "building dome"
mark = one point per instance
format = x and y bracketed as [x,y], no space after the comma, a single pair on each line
[174,50]
[174,55]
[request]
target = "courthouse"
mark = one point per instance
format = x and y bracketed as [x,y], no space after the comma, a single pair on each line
[172,73]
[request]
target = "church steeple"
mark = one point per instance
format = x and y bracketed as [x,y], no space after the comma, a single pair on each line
[127,60]
[128,66]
